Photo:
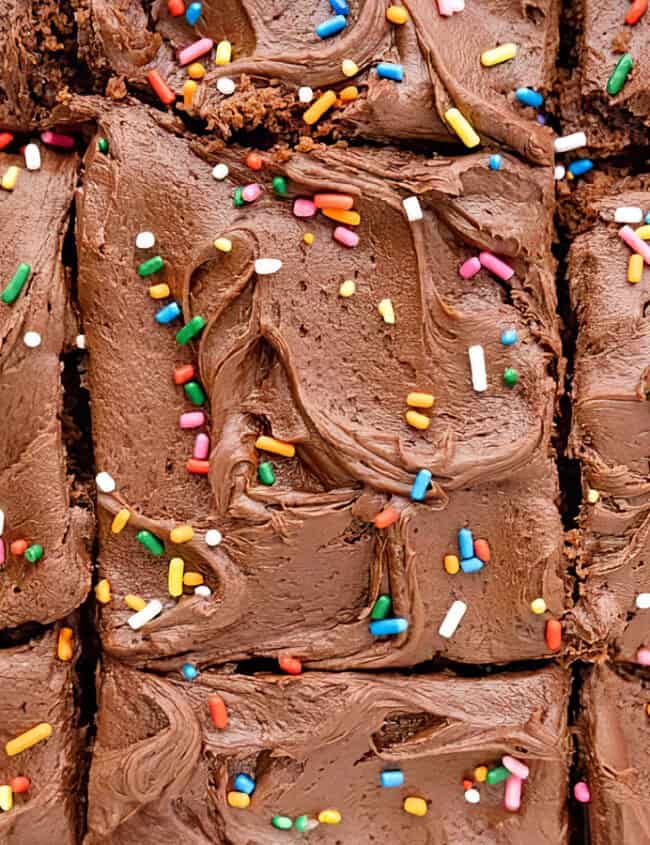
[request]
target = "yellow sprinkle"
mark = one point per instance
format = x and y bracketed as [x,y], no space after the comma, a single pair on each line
[181,534]
[223,244]
[387,311]
[317,110]
[462,127]
[498,54]
[160,291]
[420,400]
[538,606]
[277,447]
[418,420]
[239,800]
[397,14]
[329,817]
[192,579]
[135,603]
[347,289]
[350,218]
[480,774]
[415,806]
[635,268]
[65,645]
[189,90]
[196,71]
[647,709]
[175,577]
[643,232]
[10,178]
[121,518]
[308,238]
[223,54]
[28,739]
[451,564]
[351,92]
[592,496]
[6,798]
[569,175]
[103,591]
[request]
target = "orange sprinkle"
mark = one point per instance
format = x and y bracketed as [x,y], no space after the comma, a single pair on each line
[198,467]
[254,161]
[482,550]
[467,784]
[175,7]
[218,711]
[183,374]
[18,547]
[553,634]
[160,87]
[20,784]
[5,139]
[290,665]
[65,646]
[636,11]
[341,201]
[386,517]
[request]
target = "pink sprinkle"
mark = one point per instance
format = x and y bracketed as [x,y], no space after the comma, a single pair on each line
[56,139]
[469,268]
[251,192]
[512,798]
[634,242]
[193,419]
[643,657]
[201,447]
[496,266]
[195,51]
[2,551]
[304,208]
[515,767]
[345,236]
[581,792]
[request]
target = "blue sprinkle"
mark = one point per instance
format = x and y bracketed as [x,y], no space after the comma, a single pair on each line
[189,671]
[509,337]
[388,627]
[168,313]
[465,543]
[244,783]
[495,162]
[331,26]
[580,166]
[388,70]
[647,217]
[541,119]
[472,564]
[529,97]
[340,7]
[193,13]
[420,485]
[392,777]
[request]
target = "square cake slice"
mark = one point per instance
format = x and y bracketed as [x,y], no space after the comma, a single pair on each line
[40,750]
[292,430]
[611,423]
[264,63]
[235,759]
[44,568]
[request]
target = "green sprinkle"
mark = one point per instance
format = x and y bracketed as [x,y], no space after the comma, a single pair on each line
[151,266]
[302,822]
[238,197]
[381,608]
[151,543]
[282,822]
[16,284]
[510,376]
[497,775]
[620,73]
[190,330]
[265,473]
[194,392]
[102,145]
[280,187]
[34,553]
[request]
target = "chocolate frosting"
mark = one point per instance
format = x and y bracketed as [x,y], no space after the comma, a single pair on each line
[38,688]
[321,741]
[610,432]
[301,564]
[34,491]
[274,40]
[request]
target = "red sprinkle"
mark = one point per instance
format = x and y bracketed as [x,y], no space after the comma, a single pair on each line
[183,374]
[160,87]
[198,467]
[175,7]
[482,550]
[553,634]
[218,711]
[290,665]
[20,784]
[254,161]
[18,547]
[386,517]
[467,784]
[5,139]
[636,11]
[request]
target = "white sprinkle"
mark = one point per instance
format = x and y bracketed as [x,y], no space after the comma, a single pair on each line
[312,824]
[560,172]
[570,142]
[628,214]
[452,619]
[472,796]
[2,522]
[642,600]
[32,157]
[213,537]
[267,266]
[105,482]
[148,612]
[145,240]
[477,365]
[80,341]
[220,171]
[32,339]
[203,591]
[305,94]
[412,208]
[226,85]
